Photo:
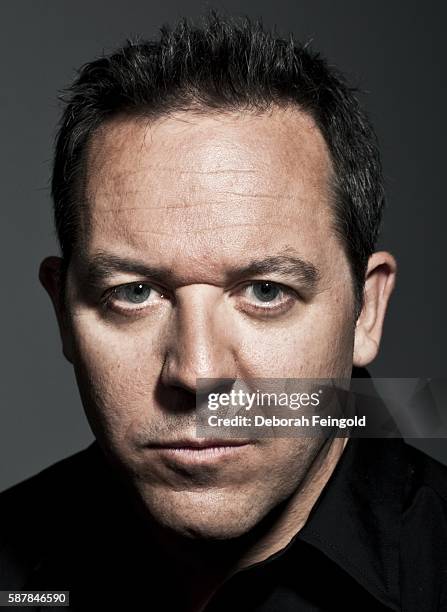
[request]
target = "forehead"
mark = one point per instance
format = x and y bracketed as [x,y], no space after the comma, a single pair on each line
[196,185]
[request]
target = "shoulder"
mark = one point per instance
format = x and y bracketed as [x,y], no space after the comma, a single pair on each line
[425,475]
[32,513]
[33,496]
[424,512]
[423,535]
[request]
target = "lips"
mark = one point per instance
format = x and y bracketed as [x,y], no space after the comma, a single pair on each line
[200,443]
[197,452]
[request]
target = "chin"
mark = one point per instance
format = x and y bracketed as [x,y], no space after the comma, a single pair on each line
[199,514]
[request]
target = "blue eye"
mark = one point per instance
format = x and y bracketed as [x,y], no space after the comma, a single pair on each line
[134,292]
[266,299]
[265,291]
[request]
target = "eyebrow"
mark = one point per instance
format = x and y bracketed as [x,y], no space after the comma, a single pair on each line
[303,272]
[104,265]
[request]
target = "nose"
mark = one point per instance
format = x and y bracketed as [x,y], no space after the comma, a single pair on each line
[200,341]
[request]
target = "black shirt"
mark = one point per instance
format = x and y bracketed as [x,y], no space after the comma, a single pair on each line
[375,540]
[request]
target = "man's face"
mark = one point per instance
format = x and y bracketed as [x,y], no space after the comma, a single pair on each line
[196,210]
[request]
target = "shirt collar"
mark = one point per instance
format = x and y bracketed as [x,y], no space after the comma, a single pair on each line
[356,520]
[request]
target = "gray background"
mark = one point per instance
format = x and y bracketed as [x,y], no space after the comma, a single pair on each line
[394,50]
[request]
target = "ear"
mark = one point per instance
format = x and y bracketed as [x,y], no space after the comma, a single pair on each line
[379,284]
[50,276]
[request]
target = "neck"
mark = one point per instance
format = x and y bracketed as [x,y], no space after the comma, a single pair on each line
[293,514]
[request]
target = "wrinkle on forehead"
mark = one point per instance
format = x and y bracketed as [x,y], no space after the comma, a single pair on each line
[232,145]
[211,174]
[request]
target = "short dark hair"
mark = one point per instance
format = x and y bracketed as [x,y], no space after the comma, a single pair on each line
[228,64]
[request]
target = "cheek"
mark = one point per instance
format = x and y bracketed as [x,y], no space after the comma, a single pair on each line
[117,369]
[318,343]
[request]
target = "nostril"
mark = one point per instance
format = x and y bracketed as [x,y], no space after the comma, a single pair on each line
[172,398]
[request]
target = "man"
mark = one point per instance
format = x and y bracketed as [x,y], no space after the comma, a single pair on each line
[218,195]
